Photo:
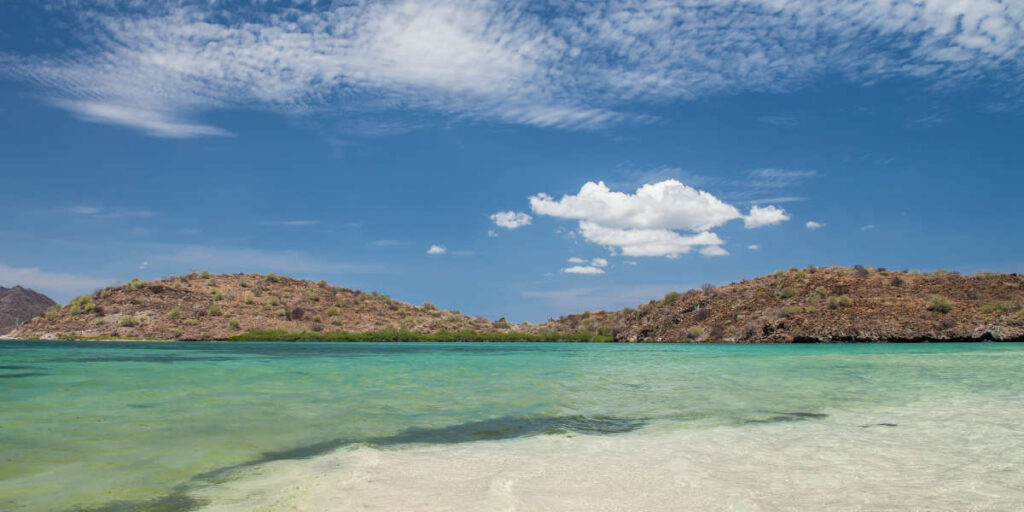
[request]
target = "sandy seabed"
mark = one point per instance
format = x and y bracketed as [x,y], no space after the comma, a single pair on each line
[934,456]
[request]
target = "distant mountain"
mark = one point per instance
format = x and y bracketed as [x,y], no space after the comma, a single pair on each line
[20,304]
[832,304]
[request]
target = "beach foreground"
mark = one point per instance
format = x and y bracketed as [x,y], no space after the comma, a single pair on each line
[273,426]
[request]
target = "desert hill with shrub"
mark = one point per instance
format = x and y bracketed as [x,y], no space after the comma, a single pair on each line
[798,305]
[19,304]
[827,305]
[203,306]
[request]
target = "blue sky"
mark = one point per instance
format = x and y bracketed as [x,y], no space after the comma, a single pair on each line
[634,147]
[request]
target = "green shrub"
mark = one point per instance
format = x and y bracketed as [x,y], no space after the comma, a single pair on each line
[174,314]
[792,310]
[204,274]
[234,325]
[272,278]
[501,323]
[314,297]
[217,295]
[178,283]
[940,304]
[670,298]
[694,332]
[215,310]
[333,311]
[787,292]
[429,307]
[273,301]
[106,292]
[129,321]
[280,312]
[841,301]
[82,304]
[1001,306]
[249,299]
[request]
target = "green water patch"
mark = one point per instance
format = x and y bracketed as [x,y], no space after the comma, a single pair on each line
[402,335]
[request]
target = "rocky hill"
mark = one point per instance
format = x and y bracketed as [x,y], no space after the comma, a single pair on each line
[201,306]
[824,305]
[798,305]
[20,304]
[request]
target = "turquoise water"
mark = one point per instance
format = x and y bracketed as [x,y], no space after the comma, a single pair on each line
[165,426]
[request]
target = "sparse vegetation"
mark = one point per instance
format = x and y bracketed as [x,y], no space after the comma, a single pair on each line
[940,304]
[787,292]
[129,321]
[792,310]
[429,307]
[215,310]
[1001,306]
[401,335]
[174,314]
[204,274]
[249,299]
[841,301]
[234,325]
[694,332]
[272,278]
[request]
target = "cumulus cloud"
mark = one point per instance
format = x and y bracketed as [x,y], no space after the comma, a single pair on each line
[161,68]
[583,269]
[437,249]
[814,225]
[646,222]
[753,247]
[764,216]
[511,219]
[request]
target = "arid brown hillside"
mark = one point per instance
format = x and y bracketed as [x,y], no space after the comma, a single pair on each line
[798,305]
[207,307]
[20,304]
[827,304]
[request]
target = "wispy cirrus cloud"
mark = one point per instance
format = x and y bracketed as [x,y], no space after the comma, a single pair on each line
[160,68]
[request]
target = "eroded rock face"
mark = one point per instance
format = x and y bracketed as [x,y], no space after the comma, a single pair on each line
[18,305]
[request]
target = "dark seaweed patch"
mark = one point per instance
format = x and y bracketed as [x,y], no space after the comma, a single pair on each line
[783,417]
[175,502]
[878,425]
[20,375]
[506,427]
[15,367]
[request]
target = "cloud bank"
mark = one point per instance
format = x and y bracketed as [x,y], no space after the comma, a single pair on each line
[160,67]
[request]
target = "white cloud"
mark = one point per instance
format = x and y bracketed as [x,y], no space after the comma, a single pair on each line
[645,223]
[777,178]
[144,265]
[667,204]
[437,249]
[713,250]
[583,269]
[84,210]
[99,213]
[511,219]
[159,68]
[386,243]
[764,216]
[492,233]
[646,242]
[814,225]
[868,227]
[599,262]
[753,247]
[50,283]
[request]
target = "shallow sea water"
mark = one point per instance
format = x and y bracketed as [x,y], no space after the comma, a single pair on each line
[478,426]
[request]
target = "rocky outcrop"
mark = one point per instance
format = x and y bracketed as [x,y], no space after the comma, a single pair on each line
[20,304]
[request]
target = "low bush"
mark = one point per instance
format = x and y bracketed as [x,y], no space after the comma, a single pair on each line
[272,278]
[129,321]
[1001,306]
[174,314]
[792,310]
[787,292]
[694,332]
[429,307]
[215,310]
[249,299]
[234,325]
[841,301]
[940,304]
[333,311]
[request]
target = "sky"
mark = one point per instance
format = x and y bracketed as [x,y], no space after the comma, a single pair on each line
[508,159]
